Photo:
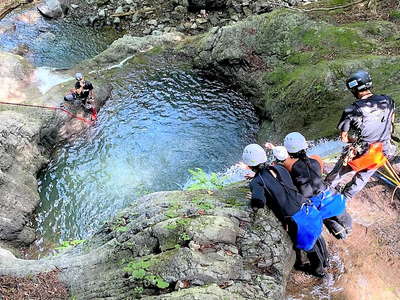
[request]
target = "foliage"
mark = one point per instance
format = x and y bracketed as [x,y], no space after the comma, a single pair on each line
[138,291]
[139,270]
[67,244]
[172,211]
[395,15]
[204,181]
[203,203]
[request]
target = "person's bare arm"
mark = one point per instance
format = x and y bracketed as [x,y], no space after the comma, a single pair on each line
[345,138]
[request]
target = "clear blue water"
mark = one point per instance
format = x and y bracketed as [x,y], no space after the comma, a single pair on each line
[158,125]
[59,43]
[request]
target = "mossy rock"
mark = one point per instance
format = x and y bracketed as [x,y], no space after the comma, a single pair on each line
[294,68]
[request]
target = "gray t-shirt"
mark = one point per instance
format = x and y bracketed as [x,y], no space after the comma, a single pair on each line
[371,118]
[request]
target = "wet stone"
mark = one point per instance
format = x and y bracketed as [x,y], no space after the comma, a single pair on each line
[102,13]
[152,22]
[119,10]
[147,31]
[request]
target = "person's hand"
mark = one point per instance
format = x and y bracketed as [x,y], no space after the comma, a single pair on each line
[249,176]
[242,165]
[269,146]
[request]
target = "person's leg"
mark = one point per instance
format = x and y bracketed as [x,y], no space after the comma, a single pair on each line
[340,226]
[69,97]
[318,257]
[357,183]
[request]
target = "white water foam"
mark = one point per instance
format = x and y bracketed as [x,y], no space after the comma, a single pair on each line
[323,148]
[46,78]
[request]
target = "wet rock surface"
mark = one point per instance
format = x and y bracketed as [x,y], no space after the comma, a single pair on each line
[179,244]
[189,17]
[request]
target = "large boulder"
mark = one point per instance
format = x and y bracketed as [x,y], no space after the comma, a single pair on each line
[16,74]
[176,245]
[294,67]
[53,9]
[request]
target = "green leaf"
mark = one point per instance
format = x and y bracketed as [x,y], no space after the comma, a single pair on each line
[162,284]
[139,274]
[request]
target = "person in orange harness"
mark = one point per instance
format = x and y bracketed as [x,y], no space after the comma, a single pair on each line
[371,117]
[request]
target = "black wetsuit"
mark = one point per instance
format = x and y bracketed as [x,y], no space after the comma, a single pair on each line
[285,201]
[87,87]
[307,176]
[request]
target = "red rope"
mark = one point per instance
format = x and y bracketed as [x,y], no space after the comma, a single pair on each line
[94,115]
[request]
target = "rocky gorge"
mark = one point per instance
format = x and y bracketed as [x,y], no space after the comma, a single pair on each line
[200,244]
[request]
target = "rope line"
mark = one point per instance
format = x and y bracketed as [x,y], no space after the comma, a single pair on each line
[55,108]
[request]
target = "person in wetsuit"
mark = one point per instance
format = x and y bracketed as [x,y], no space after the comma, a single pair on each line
[273,187]
[306,172]
[83,90]
[371,118]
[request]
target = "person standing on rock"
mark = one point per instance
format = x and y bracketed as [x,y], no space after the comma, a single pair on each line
[83,90]
[371,118]
[272,186]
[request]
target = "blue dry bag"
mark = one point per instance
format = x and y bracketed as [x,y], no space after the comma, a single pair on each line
[309,226]
[329,203]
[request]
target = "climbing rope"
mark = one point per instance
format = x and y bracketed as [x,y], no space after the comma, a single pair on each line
[55,108]
[392,177]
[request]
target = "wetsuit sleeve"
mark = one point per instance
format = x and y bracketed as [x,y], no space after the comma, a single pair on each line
[77,85]
[348,115]
[257,194]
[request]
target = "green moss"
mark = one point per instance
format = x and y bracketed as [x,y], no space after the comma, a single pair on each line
[331,41]
[233,202]
[204,202]
[156,50]
[395,15]
[67,244]
[140,270]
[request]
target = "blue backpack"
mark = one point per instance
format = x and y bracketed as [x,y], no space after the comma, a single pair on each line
[308,218]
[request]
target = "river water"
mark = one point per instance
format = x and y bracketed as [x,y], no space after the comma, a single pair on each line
[149,134]
[53,43]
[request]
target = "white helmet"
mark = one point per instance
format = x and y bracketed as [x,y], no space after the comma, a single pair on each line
[253,155]
[295,142]
[78,76]
[280,153]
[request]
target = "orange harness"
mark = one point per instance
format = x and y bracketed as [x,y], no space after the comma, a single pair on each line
[372,159]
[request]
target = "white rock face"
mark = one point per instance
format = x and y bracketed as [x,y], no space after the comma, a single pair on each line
[51,9]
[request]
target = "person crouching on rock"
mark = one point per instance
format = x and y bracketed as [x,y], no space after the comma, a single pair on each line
[272,186]
[83,90]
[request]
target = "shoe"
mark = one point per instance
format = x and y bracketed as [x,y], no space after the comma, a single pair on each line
[306,268]
[337,230]
[318,273]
